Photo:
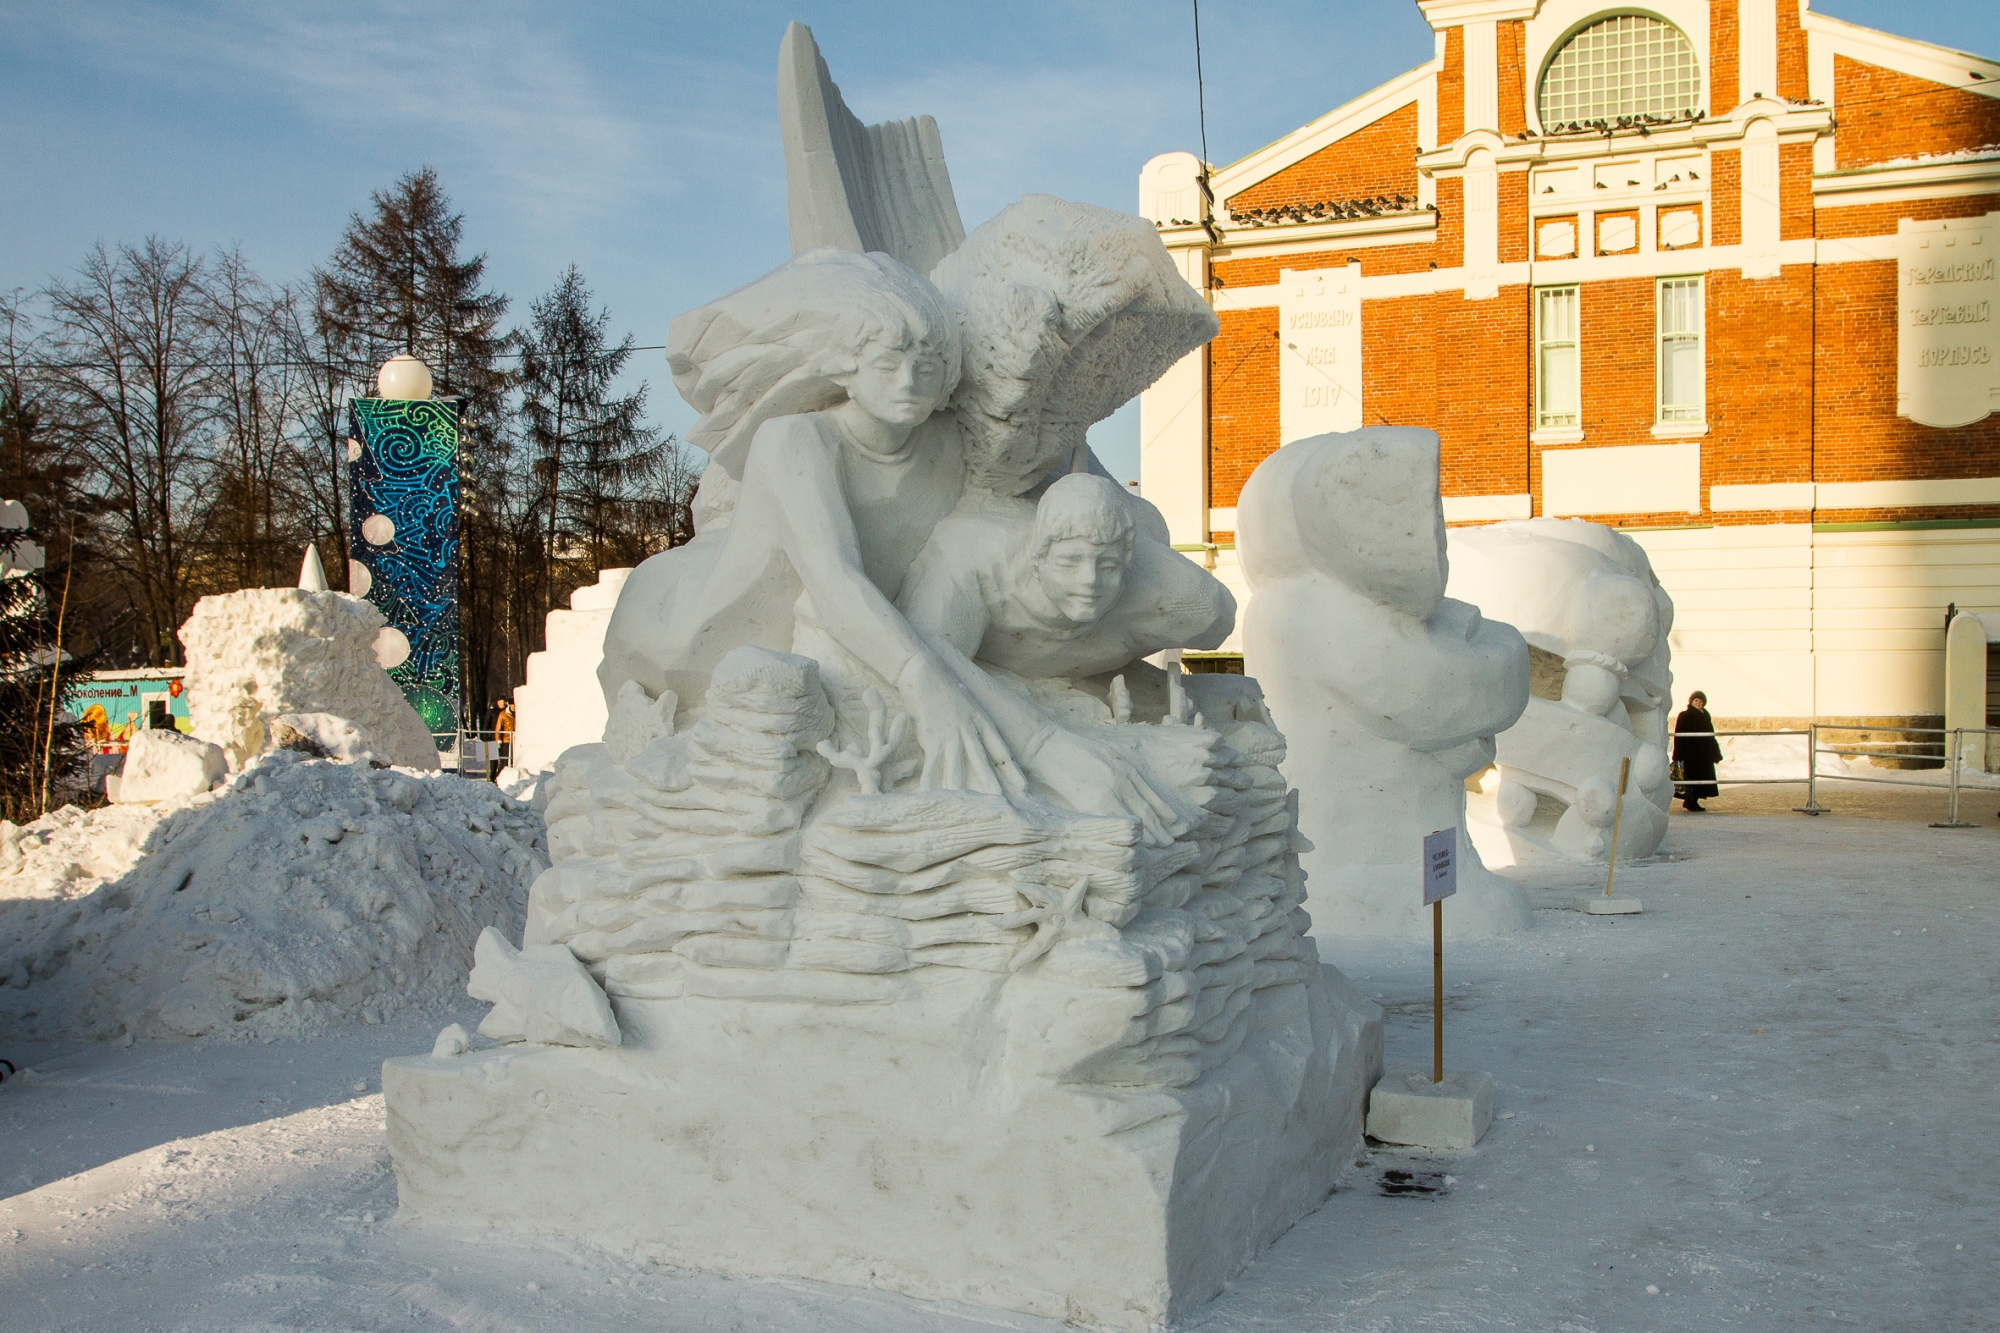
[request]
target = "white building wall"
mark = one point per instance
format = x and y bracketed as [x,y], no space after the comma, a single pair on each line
[1878,613]
[1781,621]
[1742,615]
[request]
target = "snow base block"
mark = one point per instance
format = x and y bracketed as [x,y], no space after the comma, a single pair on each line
[874,1145]
[1596,904]
[1406,1107]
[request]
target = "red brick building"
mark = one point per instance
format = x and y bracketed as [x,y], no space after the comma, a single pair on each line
[1720,273]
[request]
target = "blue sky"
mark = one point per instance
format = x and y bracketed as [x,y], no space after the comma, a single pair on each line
[640,140]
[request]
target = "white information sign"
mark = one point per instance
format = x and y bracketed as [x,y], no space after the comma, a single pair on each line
[1319,352]
[1947,296]
[1440,865]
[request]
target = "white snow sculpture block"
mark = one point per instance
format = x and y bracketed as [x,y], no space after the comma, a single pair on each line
[161,765]
[1389,692]
[561,704]
[953,948]
[1407,1107]
[921,1146]
[264,651]
[1596,620]
[1033,1061]
[539,994]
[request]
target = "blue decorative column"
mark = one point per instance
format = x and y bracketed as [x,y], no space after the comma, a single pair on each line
[403,543]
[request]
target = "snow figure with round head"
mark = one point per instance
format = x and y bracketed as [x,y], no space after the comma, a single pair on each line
[1597,624]
[1389,692]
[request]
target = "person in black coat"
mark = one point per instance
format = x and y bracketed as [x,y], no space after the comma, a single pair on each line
[1695,753]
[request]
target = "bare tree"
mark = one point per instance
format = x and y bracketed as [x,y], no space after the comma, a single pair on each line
[253,522]
[321,390]
[133,365]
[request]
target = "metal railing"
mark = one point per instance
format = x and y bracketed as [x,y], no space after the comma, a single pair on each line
[1953,760]
[480,753]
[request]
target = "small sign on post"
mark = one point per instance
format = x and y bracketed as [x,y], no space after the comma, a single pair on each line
[1440,882]
[1440,866]
[1405,1107]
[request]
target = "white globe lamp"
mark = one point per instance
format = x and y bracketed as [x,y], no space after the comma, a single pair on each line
[404,377]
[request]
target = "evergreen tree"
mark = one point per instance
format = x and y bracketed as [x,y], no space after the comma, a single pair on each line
[38,768]
[593,455]
[397,283]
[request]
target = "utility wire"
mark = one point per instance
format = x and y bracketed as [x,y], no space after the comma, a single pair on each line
[141,363]
[1201,118]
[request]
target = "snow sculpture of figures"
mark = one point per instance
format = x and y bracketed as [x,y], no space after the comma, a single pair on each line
[1596,621]
[898,856]
[1389,692]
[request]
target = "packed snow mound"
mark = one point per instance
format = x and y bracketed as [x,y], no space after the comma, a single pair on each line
[306,894]
[160,765]
[67,853]
[264,651]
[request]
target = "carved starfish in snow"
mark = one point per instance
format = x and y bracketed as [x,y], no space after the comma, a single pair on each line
[1050,915]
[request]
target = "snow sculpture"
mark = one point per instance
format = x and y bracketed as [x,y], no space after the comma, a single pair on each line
[897,857]
[161,765]
[1389,691]
[1596,621]
[539,994]
[560,704]
[264,651]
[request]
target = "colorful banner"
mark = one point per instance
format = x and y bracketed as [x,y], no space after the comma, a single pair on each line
[403,543]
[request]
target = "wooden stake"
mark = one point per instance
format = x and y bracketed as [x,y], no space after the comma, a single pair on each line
[1617,811]
[1437,991]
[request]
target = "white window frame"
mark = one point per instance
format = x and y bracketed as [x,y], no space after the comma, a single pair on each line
[1559,417]
[1677,323]
[1625,64]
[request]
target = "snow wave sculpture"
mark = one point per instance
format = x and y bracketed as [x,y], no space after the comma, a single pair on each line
[898,860]
[1391,691]
[254,654]
[1596,620]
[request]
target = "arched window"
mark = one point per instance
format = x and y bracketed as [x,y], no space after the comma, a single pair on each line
[1626,65]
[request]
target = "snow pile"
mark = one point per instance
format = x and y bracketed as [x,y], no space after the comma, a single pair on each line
[160,765]
[304,894]
[67,853]
[265,651]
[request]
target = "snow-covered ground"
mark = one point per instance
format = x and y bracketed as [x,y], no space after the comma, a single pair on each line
[1768,1099]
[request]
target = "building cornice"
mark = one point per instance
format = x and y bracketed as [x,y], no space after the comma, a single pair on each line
[1390,228]
[1442,14]
[1895,183]
[1828,37]
[1791,122]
